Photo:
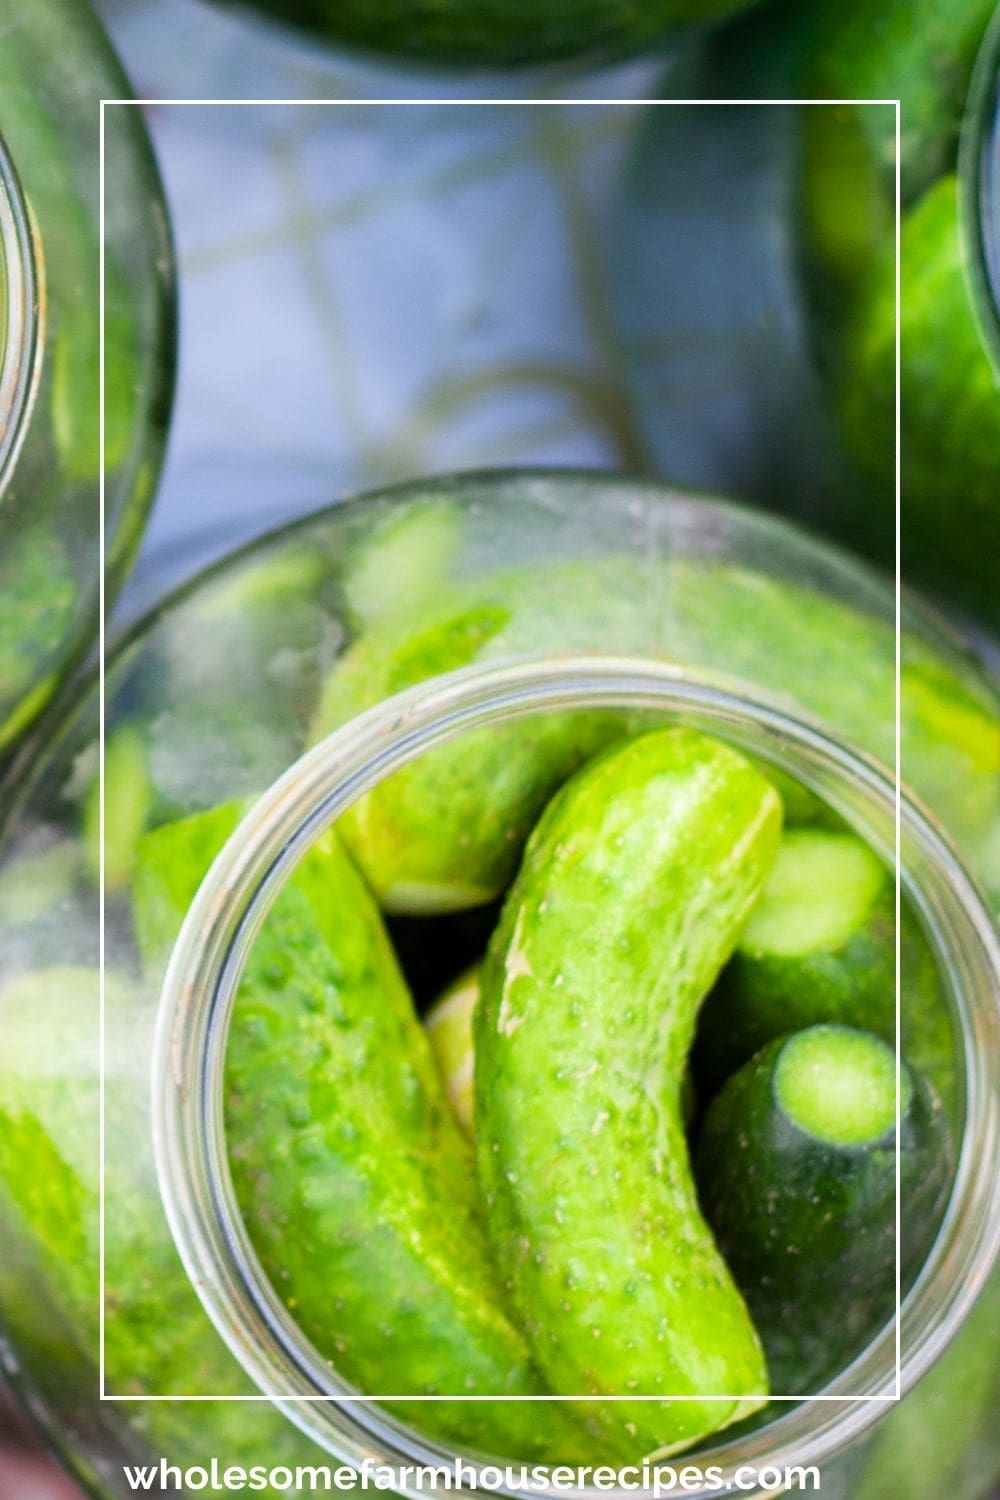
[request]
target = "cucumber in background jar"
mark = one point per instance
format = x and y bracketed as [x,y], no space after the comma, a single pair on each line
[496,33]
[55,67]
[751,269]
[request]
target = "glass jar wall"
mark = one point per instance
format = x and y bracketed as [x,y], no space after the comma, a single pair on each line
[215,696]
[491,33]
[754,275]
[55,67]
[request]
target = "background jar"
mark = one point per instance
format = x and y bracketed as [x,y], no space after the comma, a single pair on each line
[582,565]
[55,68]
[755,286]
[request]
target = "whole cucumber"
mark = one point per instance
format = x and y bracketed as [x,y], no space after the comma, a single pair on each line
[797,1171]
[445,832]
[357,1187]
[633,891]
[820,946]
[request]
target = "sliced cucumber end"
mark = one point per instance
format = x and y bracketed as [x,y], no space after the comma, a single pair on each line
[838,1085]
[819,893]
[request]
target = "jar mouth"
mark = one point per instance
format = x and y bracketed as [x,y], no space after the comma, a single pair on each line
[979,179]
[232,903]
[21,316]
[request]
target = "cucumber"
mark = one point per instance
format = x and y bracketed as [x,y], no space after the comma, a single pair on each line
[445,832]
[260,631]
[348,1164]
[821,946]
[158,1338]
[950,406]
[128,797]
[407,557]
[495,33]
[634,888]
[796,1165]
[449,1031]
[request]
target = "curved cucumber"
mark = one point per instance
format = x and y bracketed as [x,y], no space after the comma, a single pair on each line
[821,946]
[634,888]
[450,1025]
[356,1185]
[797,1171]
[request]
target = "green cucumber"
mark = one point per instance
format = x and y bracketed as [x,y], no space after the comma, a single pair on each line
[406,558]
[821,946]
[496,33]
[450,1033]
[446,831]
[348,1164]
[158,1338]
[633,891]
[946,369]
[796,1166]
[259,631]
[128,797]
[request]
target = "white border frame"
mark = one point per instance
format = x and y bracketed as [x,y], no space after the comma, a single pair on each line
[132,1400]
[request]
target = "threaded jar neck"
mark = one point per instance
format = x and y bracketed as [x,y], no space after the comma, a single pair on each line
[21,316]
[220,928]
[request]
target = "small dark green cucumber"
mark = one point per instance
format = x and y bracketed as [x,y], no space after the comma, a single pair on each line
[821,946]
[796,1166]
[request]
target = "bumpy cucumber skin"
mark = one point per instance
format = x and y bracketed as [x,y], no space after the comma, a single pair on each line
[950,403]
[357,1186]
[158,1338]
[762,995]
[445,832]
[807,1226]
[633,890]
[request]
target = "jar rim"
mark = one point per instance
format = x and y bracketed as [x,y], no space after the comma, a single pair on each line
[232,902]
[22,312]
[979,185]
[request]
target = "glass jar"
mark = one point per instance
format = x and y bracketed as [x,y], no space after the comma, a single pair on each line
[491,33]
[55,67]
[495,604]
[753,271]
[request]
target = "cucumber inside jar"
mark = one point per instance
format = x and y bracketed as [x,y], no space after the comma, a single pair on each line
[287,627]
[492,33]
[56,65]
[782,388]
